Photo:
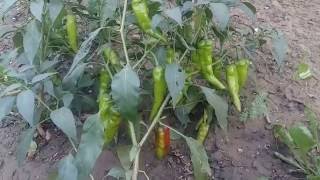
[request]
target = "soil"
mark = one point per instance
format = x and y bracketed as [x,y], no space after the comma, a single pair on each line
[248,153]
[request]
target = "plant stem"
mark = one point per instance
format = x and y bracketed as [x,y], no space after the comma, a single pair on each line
[122,28]
[143,140]
[174,130]
[133,134]
[154,122]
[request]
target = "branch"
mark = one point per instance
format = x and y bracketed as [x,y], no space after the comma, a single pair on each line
[121,30]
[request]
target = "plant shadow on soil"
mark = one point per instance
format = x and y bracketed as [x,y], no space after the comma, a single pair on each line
[249,153]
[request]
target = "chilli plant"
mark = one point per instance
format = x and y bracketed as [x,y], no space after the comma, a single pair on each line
[303,143]
[102,57]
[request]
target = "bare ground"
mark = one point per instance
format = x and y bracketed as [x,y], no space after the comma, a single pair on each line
[249,152]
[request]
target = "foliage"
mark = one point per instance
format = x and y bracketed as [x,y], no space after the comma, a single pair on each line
[257,108]
[303,143]
[47,77]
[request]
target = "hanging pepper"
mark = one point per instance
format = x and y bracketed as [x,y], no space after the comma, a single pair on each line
[203,128]
[170,56]
[72,32]
[109,116]
[110,56]
[204,54]
[162,142]
[233,83]
[242,69]
[159,90]
[141,11]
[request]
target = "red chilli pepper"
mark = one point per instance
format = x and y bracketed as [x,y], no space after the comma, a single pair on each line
[162,142]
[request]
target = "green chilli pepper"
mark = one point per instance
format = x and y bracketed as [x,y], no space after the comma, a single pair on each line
[203,128]
[72,32]
[110,118]
[141,11]
[159,90]
[233,84]
[242,68]
[110,56]
[162,142]
[204,54]
[170,56]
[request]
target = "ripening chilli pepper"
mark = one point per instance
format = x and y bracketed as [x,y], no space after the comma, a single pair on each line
[72,35]
[162,142]
[233,84]
[110,118]
[242,69]
[203,128]
[204,54]
[141,11]
[110,56]
[159,90]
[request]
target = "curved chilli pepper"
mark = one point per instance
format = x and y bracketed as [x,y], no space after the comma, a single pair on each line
[162,142]
[110,56]
[242,69]
[159,90]
[205,57]
[233,83]
[203,128]
[170,56]
[110,118]
[141,11]
[72,32]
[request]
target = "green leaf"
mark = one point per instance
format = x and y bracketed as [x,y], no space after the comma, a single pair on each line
[304,71]
[25,105]
[67,99]
[220,106]
[263,178]
[156,20]
[311,177]
[83,51]
[199,159]
[24,144]
[48,64]
[67,169]
[125,92]
[108,10]
[283,135]
[36,8]
[175,14]
[71,80]
[5,29]
[124,157]
[63,119]
[249,9]
[90,146]
[302,138]
[41,77]
[48,88]
[10,88]
[279,48]
[257,108]
[54,8]
[5,6]
[220,14]
[313,123]
[117,172]
[6,104]
[175,78]
[31,40]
